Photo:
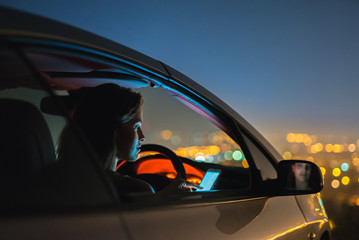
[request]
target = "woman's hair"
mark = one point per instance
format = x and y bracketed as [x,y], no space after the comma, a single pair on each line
[100,111]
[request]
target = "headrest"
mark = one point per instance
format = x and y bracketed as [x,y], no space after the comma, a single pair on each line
[25,142]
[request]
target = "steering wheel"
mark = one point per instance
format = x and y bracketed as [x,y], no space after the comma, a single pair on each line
[175,160]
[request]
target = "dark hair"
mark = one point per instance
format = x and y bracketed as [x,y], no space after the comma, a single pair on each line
[100,111]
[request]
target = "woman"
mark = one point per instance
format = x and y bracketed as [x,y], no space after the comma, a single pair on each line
[110,118]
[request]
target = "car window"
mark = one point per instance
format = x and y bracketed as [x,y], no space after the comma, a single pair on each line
[200,143]
[262,162]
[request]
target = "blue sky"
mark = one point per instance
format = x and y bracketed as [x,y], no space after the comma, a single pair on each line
[283,65]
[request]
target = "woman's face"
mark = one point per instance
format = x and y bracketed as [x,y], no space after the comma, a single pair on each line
[129,138]
[301,172]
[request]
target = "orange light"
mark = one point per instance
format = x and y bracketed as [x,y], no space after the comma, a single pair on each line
[318,147]
[120,164]
[245,163]
[329,148]
[337,148]
[171,175]
[214,150]
[194,180]
[166,134]
[307,141]
[291,137]
[351,147]
[299,138]
[164,166]
[323,170]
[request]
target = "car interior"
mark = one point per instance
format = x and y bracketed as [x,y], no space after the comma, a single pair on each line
[38,92]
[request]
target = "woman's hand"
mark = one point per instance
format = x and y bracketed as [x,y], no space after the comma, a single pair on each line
[180,185]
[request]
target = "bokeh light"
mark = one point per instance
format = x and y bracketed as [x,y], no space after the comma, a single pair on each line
[237,155]
[214,150]
[313,149]
[291,137]
[336,172]
[228,155]
[345,180]
[329,148]
[351,147]
[287,155]
[335,183]
[323,170]
[166,134]
[310,159]
[245,163]
[200,157]
[337,148]
[299,138]
[344,167]
[355,161]
[318,147]
[307,141]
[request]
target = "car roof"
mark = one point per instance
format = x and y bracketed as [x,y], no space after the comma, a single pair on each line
[30,32]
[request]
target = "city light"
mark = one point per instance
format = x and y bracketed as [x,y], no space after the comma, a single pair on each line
[237,155]
[291,137]
[351,147]
[307,141]
[355,161]
[337,148]
[287,155]
[228,155]
[335,183]
[214,150]
[166,134]
[318,147]
[336,172]
[323,170]
[245,163]
[345,180]
[299,138]
[329,148]
[344,167]
[337,157]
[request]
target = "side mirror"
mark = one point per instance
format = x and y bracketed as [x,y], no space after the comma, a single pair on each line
[299,177]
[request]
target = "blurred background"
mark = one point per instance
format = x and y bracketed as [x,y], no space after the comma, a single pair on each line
[289,67]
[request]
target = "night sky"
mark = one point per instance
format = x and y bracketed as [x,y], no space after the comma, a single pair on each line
[285,66]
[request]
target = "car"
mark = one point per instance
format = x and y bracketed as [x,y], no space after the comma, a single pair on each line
[248,192]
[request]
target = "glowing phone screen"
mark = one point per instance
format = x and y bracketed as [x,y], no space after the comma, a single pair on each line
[209,179]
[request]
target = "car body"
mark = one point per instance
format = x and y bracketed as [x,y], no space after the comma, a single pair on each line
[43,61]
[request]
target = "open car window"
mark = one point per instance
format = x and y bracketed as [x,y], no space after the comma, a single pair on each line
[200,144]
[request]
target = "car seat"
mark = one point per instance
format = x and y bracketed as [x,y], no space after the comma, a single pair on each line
[26,147]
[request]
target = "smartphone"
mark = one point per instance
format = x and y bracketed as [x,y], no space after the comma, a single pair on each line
[209,179]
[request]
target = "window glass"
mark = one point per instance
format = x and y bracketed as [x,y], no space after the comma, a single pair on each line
[263,164]
[199,142]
